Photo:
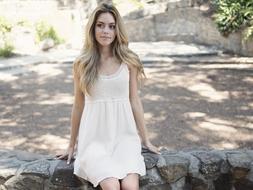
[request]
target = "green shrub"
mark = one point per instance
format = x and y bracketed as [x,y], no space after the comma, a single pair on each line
[6,50]
[248,34]
[5,26]
[44,31]
[5,29]
[234,15]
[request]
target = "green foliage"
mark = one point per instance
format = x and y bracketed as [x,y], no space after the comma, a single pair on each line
[44,31]
[5,26]
[248,34]
[234,15]
[6,50]
[5,29]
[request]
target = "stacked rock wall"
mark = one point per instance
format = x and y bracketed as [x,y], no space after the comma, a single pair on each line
[182,21]
[175,170]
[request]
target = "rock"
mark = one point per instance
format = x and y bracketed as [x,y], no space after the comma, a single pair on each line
[239,173]
[6,154]
[150,159]
[243,184]
[250,154]
[239,159]
[63,175]
[173,170]
[47,44]
[181,20]
[172,167]
[9,167]
[179,184]
[27,156]
[250,174]
[193,183]
[156,187]
[223,182]
[209,164]
[24,182]
[194,166]
[38,168]
[240,163]
[152,178]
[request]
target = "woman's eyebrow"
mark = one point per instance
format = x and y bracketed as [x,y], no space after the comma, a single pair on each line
[103,22]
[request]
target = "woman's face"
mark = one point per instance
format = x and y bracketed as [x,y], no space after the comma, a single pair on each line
[105,29]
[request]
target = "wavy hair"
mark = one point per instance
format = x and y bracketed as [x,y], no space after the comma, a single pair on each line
[86,64]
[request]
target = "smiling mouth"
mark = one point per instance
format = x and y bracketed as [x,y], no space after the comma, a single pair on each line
[105,37]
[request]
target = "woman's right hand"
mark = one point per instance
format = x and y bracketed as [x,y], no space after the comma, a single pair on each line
[67,155]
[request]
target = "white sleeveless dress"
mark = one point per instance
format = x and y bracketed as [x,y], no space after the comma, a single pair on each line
[108,141]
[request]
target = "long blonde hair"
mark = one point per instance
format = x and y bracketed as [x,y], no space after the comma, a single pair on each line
[86,65]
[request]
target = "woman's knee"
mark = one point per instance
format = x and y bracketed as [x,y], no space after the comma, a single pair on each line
[130,186]
[131,182]
[110,184]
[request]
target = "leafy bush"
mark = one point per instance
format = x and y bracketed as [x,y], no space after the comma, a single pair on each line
[248,34]
[234,15]
[6,50]
[5,28]
[44,31]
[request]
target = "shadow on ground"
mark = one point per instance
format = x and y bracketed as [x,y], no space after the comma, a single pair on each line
[186,106]
[199,105]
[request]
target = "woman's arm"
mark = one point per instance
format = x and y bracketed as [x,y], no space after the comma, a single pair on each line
[138,110]
[77,110]
[76,114]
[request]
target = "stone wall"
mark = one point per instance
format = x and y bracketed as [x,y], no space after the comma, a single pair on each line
[181,21]
[172,170]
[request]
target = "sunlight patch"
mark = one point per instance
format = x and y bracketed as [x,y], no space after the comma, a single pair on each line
[209,125]
[60,98]
[194,114]
[209,92]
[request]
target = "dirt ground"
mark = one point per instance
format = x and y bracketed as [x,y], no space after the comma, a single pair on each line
[186,106]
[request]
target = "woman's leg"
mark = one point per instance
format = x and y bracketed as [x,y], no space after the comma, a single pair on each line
[110,183]
[130,182]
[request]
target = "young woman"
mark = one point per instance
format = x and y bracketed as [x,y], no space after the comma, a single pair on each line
[107,115]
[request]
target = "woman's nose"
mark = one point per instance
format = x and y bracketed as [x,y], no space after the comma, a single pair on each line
[106,29]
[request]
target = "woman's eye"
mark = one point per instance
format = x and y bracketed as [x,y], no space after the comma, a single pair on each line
[99,25]
[112,26]
[102,26]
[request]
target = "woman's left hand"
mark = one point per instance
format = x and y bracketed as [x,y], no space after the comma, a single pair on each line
[151,147]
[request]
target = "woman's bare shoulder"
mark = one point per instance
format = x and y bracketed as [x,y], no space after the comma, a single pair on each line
[131,67]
